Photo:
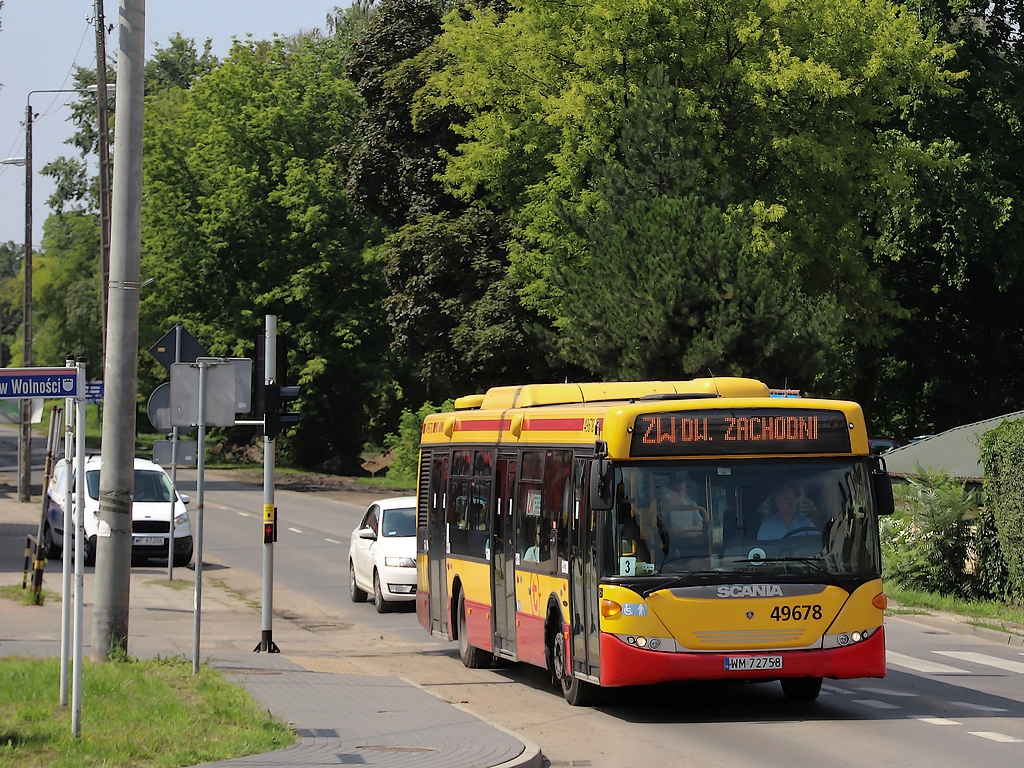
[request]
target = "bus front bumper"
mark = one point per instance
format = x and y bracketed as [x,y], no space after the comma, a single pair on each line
[623,664]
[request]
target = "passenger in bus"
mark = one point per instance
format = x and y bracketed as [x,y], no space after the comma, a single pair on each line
[685,525]
[787,519]
[532,554]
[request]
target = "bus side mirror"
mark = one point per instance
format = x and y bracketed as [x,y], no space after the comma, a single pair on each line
[601,492]
[881,485]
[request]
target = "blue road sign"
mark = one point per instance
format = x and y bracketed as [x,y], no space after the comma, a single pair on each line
[94,392]
[21,383]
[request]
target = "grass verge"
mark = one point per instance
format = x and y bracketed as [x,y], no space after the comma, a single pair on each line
[978,609]
[134,713]
[24,596]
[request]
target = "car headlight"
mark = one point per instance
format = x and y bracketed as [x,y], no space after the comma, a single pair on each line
[400,562]
[181,518]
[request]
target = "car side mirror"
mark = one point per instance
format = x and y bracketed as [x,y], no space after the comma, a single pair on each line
[881,486]
[184,499]
[367,533]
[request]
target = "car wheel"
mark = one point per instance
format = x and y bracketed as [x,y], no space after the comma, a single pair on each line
[358,595]
[90,552]
[181,559]
[579,693]
[379,602]
[801,689]
[472,657]
[48,548]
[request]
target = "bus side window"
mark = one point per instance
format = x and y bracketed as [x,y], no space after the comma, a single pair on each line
[558,500]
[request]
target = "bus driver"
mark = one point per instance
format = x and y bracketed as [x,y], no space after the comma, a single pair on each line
[787,520]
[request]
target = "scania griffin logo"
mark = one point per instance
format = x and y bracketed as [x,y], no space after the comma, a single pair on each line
[751,590]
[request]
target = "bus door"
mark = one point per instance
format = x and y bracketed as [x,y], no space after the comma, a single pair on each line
[583,574]
[436,546]
[503,542]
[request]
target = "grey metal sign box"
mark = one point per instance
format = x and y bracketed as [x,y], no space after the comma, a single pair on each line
[162,450]
[220,394]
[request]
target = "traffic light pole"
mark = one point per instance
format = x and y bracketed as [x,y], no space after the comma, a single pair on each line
[269,510]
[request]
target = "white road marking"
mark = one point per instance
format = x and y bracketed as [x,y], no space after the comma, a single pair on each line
[876,704]
[243,514]
[295,530]
[920,665]
[884,692]
[977,707]
[934,720]
[1002,738]
[332,541]
[988,661]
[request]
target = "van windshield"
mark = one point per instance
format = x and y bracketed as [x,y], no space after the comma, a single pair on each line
[757,517]
[149,485]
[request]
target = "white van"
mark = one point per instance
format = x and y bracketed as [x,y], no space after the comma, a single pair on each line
[151,514]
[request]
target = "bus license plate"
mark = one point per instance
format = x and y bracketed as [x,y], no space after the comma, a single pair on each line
[148,541]
[750,663]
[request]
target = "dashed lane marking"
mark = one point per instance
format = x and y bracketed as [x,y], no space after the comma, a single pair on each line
[1002,738]
[920,665]
[331,540]
[985,659]
[876,704]
[932,720]
[295,530]
[977,707]
[243,514]
[886,692]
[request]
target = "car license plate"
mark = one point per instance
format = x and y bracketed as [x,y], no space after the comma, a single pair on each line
[148,541]
[751,663]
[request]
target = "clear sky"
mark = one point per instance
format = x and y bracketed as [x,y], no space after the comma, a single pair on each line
[42,40]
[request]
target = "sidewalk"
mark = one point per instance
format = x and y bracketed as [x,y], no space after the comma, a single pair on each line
[343,715]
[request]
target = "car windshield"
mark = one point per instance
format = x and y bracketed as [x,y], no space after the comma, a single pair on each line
[757,517]
[398,522]
[149,485]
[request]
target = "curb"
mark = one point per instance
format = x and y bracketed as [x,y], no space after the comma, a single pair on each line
[958,625]
[530,757]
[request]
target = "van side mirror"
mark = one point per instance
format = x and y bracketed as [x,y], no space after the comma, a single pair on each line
[601,481]
[881,487]
[185,499]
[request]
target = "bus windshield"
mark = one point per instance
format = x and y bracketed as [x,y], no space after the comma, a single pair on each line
[766,517]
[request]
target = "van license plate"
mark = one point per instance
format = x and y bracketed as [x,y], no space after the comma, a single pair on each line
[148,541]
[751,663]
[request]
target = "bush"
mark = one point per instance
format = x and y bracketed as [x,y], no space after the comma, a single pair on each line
[928,543]
[1002,453]
[406,444]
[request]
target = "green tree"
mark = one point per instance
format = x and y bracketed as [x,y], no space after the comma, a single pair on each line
[958,351]
[790,110]
[11,256]
[178,65]
[405,444]
[246,214]
[712,285]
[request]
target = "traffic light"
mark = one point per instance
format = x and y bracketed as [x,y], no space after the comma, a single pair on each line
[268,399]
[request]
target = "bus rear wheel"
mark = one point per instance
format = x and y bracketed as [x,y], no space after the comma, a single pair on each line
[472,657]
[799,689]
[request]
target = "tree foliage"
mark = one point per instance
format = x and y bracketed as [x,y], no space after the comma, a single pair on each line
[246,214]
[405,444]
[1002,454]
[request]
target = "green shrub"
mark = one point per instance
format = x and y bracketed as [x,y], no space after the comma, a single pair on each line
[406,444]
[1002,453]
[927,544]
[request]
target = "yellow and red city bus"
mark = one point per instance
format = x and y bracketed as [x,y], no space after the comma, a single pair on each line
[631,533]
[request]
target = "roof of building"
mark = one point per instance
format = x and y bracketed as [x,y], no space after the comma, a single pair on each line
[955,450]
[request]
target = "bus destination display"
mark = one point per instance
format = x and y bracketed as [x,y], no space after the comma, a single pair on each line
[754,430]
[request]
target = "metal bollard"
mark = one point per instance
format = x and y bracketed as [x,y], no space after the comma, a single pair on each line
[29,541]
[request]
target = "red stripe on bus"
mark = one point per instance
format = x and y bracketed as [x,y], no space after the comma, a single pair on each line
[478,625]
[530,639]
[482,425]
[554,425]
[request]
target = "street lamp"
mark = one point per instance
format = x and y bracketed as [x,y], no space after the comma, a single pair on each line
[25,441]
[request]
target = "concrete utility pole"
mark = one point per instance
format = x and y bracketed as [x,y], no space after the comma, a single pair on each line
[117,476]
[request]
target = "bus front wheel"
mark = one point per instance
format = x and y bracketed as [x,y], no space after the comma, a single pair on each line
[472,657]
[801,688]
[579,693]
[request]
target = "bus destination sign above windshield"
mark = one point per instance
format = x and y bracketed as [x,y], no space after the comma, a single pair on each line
[750,431]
